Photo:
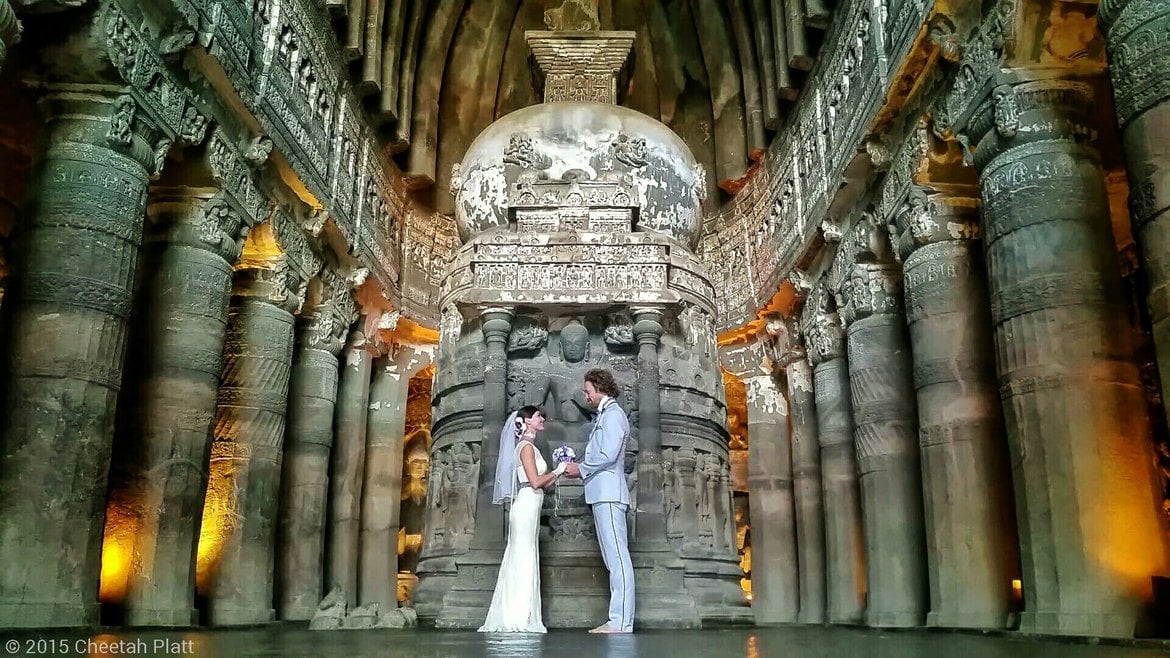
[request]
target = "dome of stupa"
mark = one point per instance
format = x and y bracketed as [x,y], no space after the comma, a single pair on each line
[589,144]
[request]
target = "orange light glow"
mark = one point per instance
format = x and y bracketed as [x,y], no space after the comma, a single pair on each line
[219,519]
[117,554]
[1017,590]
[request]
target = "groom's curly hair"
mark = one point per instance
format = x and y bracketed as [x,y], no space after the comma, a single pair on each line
[603,381]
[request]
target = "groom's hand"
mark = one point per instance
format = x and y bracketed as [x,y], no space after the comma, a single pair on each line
[572,470]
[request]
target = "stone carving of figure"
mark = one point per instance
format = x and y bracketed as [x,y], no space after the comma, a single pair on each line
[704,495]
[712,468]
[462,490]
[437,488]
[671,493]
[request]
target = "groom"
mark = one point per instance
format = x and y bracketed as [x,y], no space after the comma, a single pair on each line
[603,471]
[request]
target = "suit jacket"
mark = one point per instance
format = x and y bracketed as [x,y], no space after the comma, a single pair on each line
[603,469]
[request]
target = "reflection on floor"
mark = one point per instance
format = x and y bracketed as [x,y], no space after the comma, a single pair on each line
[793,642]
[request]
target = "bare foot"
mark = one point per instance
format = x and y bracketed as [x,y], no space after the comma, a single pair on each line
[605,629]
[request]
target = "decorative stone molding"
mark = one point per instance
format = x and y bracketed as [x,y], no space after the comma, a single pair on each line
[824,334]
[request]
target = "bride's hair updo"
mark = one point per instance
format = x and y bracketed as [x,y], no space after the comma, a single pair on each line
[523,414]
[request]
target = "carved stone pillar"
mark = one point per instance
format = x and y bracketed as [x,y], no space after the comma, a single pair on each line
[1136,40]
[807,486]
[490,530]
[158,480]
[305,483]
[382,491]
[844,544]
[886,439]
[243,490]
[661,599]
[1089,533]
[70,294]
[970,525]
[775,566]
[348,467]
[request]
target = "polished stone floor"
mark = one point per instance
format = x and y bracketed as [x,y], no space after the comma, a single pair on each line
[792,642]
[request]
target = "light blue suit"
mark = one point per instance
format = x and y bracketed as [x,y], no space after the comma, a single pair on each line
[604,475]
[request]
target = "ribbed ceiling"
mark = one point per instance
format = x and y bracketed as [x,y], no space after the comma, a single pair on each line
[434,73]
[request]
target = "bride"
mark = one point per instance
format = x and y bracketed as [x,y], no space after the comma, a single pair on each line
[521,478]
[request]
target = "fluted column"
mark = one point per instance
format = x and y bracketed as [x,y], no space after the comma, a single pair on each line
[348,466]
[158,476]
[845,577]
[966,478]
[1081,454]
[382,491]
[70,294]
[775,566]
[237,542]
[886,438]
[496,323]
[1137,39]
[806,485]
[304,486]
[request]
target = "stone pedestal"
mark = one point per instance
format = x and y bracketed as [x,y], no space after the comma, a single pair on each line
[347,468]
[239,518]
[886,440]
[158,477]
[806,484]
[1082,462]
[845,577]
[304,486]
[70,291]
[1137,42]
[970,522]
[382,490]
[775,566]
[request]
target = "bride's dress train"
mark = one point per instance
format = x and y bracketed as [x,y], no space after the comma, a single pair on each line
[515,604]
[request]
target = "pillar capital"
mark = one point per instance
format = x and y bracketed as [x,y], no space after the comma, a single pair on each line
[1137,35]
[106,117]
[647,323]
[324,329]
[928,217]
[496,319]
[821,325]
[870,289]
[764,395]
[276,284]
[198,217]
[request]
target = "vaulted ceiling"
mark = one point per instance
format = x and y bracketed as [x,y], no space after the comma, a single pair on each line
[434,73]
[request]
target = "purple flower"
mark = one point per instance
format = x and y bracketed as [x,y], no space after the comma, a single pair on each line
[565,454]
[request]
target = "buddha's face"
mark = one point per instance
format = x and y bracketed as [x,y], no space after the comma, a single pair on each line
[574,340]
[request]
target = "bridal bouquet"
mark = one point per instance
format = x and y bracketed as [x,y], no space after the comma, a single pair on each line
[565,454]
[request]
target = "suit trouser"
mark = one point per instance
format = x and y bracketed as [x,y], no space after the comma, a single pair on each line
[609,519]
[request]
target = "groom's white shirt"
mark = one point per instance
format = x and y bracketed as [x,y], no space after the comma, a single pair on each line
[603,469]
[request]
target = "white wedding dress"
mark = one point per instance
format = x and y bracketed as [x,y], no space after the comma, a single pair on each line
[515,604]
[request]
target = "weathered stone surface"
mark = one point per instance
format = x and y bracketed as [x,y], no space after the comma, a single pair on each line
[305,480]
[237,539]
[1055,314]
[157,478]
[775,571]
[347,467]
[971,545]
[382,488]
[68,305]
[885,435]
[1136,39]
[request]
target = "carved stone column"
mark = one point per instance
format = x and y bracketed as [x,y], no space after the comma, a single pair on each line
[382,491]
[305,483]
[158,477]
[844,544]
[69,295]
[243,491]
[348,466]
[1137,42]
[661,599]
[807,485]
[1082,461]
[970,525]
[775,565]
[490,530]
[886,438]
